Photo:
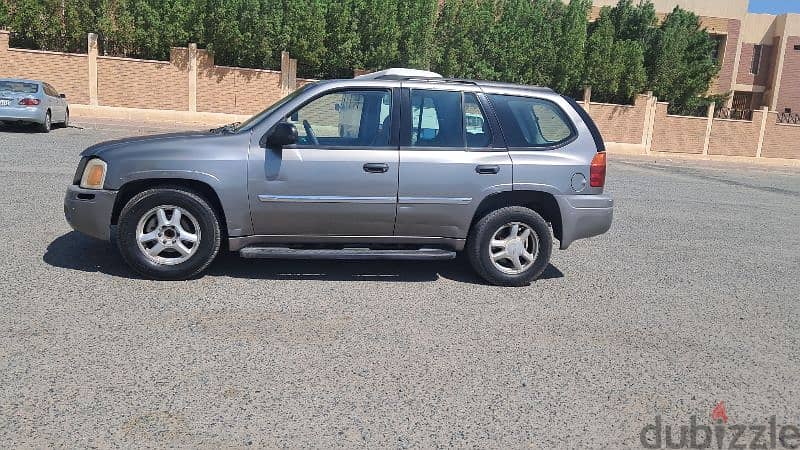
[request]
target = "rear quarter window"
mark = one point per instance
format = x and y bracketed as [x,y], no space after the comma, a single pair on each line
[532,122]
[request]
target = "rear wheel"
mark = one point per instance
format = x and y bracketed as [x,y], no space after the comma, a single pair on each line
[47,125]
[168,234]
[510,246]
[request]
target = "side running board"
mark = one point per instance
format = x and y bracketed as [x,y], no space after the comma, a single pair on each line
[345,254]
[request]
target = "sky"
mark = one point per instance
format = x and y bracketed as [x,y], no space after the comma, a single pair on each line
[775,6]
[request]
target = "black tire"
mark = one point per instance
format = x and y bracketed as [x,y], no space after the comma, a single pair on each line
[479,251]
[65,123]
[191,202]
[48,123]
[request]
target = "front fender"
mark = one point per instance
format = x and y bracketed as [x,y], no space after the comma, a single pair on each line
[204,177]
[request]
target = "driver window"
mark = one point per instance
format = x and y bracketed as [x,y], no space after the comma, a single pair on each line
[351,118]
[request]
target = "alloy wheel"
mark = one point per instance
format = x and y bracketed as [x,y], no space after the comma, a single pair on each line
[514,248]
[168,235]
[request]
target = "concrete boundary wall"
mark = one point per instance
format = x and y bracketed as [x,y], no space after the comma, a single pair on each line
[736,137]
[620,123]
[761,137]
[189,81]
[191,88]
[680,134]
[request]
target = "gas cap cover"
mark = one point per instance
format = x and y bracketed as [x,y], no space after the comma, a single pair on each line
[578,182]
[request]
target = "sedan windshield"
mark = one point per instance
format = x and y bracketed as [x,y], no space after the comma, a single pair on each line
[246,125]
[19,87]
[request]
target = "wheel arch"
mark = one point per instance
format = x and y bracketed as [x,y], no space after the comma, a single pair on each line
[130,189]
[544,203]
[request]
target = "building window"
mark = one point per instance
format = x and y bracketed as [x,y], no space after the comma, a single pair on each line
[756,63]
[719,47]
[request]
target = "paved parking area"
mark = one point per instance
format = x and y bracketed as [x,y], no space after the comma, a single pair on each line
[691,299]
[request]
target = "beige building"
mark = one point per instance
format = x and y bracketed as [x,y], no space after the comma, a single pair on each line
[759,53]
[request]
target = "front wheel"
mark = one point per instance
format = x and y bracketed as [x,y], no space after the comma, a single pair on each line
[65,123]
[510,246]
[168,234]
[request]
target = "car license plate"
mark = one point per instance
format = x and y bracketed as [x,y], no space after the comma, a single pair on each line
[4,102]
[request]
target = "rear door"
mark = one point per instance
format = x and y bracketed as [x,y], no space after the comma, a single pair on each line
[452,156]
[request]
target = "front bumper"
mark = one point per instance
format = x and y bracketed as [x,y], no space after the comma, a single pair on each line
[32,114]
[584,216]
[89,211]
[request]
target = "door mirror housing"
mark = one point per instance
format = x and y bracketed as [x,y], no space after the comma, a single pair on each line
[62,95]
[283,134]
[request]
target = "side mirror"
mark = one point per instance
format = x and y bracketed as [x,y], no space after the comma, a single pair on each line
[62,95]
[283,134]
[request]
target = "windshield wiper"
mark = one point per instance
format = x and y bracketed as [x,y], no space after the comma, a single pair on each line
[229,128]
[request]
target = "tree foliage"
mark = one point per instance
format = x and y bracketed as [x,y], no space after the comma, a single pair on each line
[544,42]
[682,68]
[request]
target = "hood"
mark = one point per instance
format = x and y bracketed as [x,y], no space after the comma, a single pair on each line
[171,140]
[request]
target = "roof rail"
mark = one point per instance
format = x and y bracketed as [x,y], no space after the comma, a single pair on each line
[399,74]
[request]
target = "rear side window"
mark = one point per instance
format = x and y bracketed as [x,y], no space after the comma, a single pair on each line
[598,138]
[476,126]
[436,119]
[532,122]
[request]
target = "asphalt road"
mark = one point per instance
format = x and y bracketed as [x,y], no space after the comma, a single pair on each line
[691,299]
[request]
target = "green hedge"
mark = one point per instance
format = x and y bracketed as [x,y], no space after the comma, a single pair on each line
[543,42]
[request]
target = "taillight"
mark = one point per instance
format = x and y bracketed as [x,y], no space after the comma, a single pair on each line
[597,171]
[29,102]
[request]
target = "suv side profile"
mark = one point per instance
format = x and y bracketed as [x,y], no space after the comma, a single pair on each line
[398,164]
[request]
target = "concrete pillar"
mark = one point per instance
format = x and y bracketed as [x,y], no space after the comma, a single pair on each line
[764,117]
[651,125]
[285,71]
[587,94]
[647,111]
[292,74]
[92,59]
[193,77]
[709,126]
[5,36]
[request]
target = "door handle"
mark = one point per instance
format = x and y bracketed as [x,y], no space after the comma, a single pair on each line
[376,167]
[487,169]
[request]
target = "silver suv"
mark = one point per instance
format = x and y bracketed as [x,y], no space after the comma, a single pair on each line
[399,164]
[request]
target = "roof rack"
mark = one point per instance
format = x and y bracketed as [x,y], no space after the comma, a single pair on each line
[400,74]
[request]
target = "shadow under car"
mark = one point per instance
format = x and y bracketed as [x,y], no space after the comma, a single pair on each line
[76,251]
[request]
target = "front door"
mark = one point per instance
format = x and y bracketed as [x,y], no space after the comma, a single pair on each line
[340,179]
[451,158]
[58,111]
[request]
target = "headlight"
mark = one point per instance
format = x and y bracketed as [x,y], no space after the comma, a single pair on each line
[94,175]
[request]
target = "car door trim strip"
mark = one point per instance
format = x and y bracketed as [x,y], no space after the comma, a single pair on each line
[435,200]
[325,199]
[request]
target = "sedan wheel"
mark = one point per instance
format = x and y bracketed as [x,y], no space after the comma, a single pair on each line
[48,123]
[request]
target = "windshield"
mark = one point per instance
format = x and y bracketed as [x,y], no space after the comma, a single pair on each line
[246,125]
[19,87]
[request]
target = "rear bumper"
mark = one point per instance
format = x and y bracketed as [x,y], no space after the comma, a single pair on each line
[89,211]
[33,114]
[584,216]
